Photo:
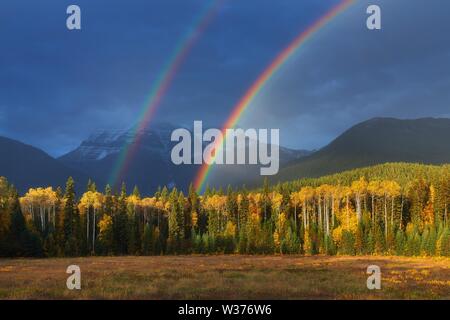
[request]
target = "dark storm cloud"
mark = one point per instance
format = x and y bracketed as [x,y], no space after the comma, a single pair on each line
[348,74]
[58,86]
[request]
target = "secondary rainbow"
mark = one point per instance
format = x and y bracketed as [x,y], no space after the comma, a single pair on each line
[161,86]
[264,77]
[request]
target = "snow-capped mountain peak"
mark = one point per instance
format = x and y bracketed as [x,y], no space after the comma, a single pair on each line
[102,143]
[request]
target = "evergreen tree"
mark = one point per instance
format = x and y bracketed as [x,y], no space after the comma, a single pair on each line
[71,220]
[120,224]
[109,202]
[399,242]
[19,236]
[91,186]
[231,206]
[176,227]
[59,222]
[136,192]
[443,243]
[133,233]
[5,216]
[157,243]
[147,238]
[192,210]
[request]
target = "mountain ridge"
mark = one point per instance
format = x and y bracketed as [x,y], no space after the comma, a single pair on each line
[97,156]
[27,166]
[375,141]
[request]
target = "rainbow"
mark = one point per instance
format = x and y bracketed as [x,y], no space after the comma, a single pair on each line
[161,85]
[264,77]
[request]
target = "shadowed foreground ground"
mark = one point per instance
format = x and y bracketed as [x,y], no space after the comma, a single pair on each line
[226,277]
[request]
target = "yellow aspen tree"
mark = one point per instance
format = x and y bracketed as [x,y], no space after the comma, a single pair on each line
[295,202]
[359,189]
[374,189]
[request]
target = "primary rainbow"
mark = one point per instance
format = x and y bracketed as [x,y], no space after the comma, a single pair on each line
[161,86]
[257,86]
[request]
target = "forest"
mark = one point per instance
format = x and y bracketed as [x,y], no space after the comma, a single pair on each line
[390,209]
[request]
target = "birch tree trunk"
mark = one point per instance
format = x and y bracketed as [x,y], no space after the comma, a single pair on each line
[332,211]
[392,212]
[87,228]
[93,233]
[295,216]
[385,216]
[327,222]
[304,214]
[319,202]
[358,207]
[373,208]
[41,215]
[348,213]
[401,213]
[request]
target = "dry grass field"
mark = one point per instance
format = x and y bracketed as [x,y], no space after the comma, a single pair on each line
[226,277]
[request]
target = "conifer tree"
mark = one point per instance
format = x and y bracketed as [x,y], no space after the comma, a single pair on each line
[443,243]
[19,235]
[91,186]
[399,242]
[147,238]
[70,220]
[231,206]
[120,224]
[176,232]
[109,203]
[193,212]
[136,192]
[5,216]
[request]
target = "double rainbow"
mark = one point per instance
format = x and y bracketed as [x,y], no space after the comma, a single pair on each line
[264,77]
[161,86]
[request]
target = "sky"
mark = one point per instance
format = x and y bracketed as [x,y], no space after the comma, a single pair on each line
[58,86]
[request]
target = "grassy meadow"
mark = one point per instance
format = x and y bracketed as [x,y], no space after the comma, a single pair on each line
[226,277]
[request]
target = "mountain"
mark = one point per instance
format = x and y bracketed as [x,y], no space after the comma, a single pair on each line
[151,166]
[100,157]
[26,166]
[103,143]
[377,141]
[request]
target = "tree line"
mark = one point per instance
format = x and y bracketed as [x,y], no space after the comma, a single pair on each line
[393,209]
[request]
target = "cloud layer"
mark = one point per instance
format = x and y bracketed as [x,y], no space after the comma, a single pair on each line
[58,86]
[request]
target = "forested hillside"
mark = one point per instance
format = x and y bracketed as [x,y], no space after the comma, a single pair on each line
[396,208]
[376,141]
